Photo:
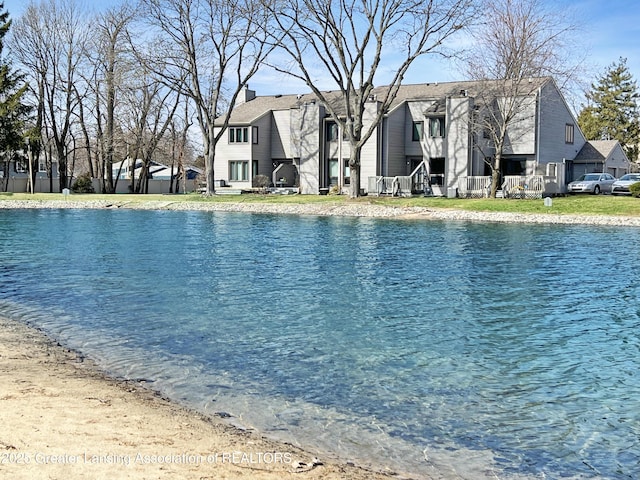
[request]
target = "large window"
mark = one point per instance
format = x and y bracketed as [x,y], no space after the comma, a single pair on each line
[417,130]
[239,171]
[436,167]
[238,134]
[436,127]
[332,131]
[568,133]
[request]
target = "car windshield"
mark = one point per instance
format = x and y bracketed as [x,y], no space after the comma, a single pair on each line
[635,177]
[589,177]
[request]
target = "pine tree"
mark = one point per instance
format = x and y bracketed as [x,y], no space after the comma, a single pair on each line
[612,109]
[13,112]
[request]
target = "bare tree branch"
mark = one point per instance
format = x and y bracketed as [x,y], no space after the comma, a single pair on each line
[345,40]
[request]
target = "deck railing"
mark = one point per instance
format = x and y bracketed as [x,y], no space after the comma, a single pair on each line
[398,186]
[513,186]
[516,186]
[474,187]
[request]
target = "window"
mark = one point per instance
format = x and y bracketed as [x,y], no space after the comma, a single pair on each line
[20,166]
[332,131]
[238,134]
[254,135]
[486,130]
[347,172]
[239,171]
[334,170]
[568,133]
[436,167]
[417,130]
[436,127]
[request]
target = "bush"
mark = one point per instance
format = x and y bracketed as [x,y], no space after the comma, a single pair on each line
[634,188]
[83,184]
[261,181]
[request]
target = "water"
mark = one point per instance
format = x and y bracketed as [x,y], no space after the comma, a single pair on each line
[478,351]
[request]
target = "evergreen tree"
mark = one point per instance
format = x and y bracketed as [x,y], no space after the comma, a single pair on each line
[13,113]
[612,109]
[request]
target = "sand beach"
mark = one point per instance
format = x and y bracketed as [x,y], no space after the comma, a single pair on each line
[64,419]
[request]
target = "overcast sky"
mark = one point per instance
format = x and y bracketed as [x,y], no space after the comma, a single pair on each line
[610,30]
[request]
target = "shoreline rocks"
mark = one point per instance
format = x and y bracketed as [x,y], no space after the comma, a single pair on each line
[334,209]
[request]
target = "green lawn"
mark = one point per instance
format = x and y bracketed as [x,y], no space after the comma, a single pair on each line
[575,204]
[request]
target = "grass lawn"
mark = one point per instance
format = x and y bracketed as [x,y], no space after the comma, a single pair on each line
[570,205]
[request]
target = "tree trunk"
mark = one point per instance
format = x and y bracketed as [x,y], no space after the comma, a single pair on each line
[209,156]
[495,169]
[62,166]
[495,181]
[354,172]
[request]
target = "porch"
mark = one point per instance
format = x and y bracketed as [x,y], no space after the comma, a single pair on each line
[418,182]
[513,186]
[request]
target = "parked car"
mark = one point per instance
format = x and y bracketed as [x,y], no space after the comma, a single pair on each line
[621,186]
[592,183]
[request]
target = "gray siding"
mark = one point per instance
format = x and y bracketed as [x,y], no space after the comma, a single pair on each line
[395,156]
[281,144]
[521,132]
[457,140]
[554,115]
[369,158]
[306,126]
[261,151]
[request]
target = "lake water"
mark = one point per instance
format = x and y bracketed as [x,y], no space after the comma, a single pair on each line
[475,350]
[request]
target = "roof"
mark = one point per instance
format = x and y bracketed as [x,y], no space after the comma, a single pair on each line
[246,113]
[598,150]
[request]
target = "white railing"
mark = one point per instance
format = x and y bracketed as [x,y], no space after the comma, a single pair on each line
[516,186]
[398,186]
[474,187]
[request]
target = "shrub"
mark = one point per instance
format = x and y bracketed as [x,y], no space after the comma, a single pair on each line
[634,188]
[261,181]
[83,184]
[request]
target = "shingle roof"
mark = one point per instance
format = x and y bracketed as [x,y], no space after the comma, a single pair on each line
[596,150]
[253,109]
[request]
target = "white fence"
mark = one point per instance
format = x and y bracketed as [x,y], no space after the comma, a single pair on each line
[155,186]
[474,187]
[41,185]
[46,185]
[395,186]
[513,186]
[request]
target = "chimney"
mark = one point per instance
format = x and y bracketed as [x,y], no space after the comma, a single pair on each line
[245,95]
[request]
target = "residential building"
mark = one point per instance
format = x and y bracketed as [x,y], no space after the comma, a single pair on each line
[292,140]
[14,175]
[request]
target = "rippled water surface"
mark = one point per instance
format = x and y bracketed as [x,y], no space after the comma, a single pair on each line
[482,351]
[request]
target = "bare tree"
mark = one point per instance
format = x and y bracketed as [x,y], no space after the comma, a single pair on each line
[111,56]
[28,48]
[152,108]
[519,43]
[208,51]
[345,41]
[55,35]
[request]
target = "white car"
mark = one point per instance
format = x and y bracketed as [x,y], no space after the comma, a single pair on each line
[621,186]
[595,183]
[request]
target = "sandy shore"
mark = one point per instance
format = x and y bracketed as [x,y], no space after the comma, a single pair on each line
[63,419]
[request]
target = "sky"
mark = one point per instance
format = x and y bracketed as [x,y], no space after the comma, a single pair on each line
[608,30]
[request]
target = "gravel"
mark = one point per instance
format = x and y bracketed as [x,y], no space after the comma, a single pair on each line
[335,209]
